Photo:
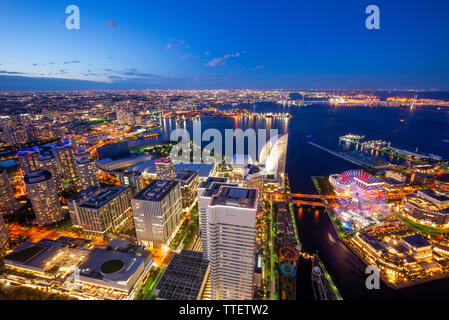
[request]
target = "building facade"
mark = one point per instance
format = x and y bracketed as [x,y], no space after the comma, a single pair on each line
[74,201]
[87,172]
[48,162]
[206,191]
[189,183]
[165,169]
[65,154]
[133,180]
[4,237]
[105,211]
[231,241]
[157,212]
[43,192]
[28,160]
[7,200]
[427,207]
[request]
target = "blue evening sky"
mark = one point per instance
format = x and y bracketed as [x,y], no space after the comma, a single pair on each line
[224,44]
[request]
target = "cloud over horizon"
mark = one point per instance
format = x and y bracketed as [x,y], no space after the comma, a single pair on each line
[221,61]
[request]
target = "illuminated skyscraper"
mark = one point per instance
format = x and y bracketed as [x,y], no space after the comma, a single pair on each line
[133,180]
[28,160]
[231,238]
[104,211]
[157,211]
[65,154]
[206,191]
[189,184]
[15,134]
[4,237]
[41,187]
[48,162]
[165,169]
[7,199]
[87,172]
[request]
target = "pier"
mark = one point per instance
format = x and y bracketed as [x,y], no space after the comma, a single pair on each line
[342,156]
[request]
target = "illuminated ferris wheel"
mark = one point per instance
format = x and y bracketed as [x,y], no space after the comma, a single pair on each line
[359,191]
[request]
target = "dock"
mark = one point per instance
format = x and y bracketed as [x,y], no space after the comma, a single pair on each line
[342,156]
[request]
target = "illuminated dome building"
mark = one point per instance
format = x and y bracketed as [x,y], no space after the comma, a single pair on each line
[273,155]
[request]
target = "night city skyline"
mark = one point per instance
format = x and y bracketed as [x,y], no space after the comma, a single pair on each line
[224,159]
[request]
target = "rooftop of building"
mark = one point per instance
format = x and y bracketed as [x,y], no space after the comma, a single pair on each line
[149,167]
[435,195]
[372,241]
[37,176]
[100,199]
[206,184]
[36,255]
[88,192]
[236,197]
[164,161]
[84,160]
[156,190]
[214,187]
[416,241]
[422,203]
[46,156]
[116,264]
[186,176]
[392,182]
[184,276]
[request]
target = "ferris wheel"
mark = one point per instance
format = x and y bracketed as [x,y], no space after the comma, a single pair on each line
[359,191]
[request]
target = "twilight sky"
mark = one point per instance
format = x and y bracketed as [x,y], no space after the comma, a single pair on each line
[223,44]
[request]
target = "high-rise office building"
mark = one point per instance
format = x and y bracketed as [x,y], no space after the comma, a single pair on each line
[65,154]
[27,123]
[157,212]
[206,191]
[8,126]
[4,236]
[47,161]
[165,169]
[74,201]
[189,183]
[231,238]
[7,199]
[133,180]
[105,211]
[43,191]
[28,160]
[15,133]
[87,172]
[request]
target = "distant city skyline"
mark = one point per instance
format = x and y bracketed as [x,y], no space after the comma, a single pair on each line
[224,45]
